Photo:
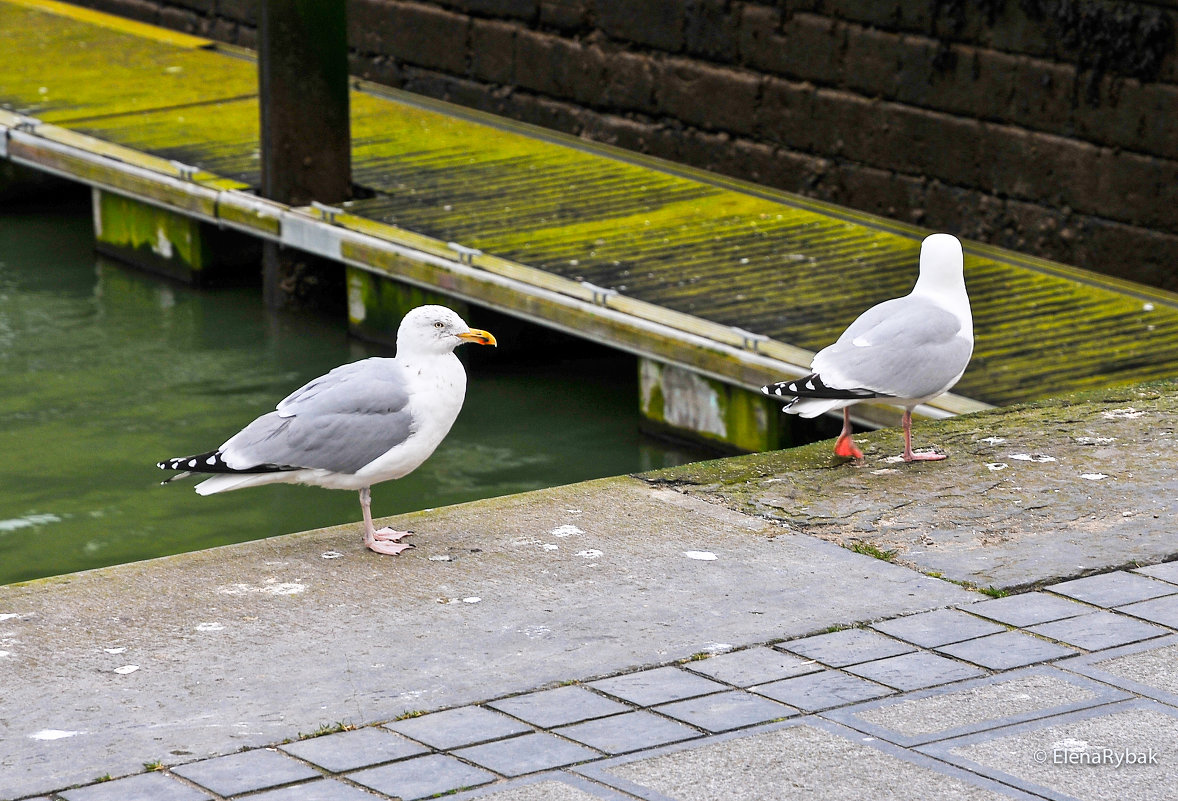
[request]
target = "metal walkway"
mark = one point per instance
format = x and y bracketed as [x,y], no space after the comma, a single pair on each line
[726,278]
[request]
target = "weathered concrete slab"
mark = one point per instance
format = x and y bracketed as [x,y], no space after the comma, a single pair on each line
[1028,496]
[1144,668]
[200,654]
[1115,751]
[808,759]
[975,705]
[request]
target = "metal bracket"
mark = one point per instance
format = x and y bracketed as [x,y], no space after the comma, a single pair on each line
[465,255]
[749,340]
[601,295]
[328,213]
[186,171]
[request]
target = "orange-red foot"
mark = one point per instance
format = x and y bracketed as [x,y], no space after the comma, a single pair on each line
[845,447]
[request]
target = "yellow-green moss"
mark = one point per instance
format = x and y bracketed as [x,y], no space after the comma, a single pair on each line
[794,269]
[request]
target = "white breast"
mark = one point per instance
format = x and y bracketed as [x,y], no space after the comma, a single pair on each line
[437,388]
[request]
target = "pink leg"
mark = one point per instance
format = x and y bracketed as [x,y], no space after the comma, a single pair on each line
[844,446]
[909,456]
[384,540]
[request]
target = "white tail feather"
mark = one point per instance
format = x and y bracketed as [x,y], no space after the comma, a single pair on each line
[232,481]
[812,407]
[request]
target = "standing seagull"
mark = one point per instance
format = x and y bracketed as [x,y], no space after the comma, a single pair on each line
[908,350]
[362,423]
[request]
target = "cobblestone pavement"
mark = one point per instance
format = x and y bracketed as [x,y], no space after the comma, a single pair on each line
[540,646]
[1068,692]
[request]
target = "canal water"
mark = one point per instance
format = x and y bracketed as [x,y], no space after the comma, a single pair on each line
[105,370]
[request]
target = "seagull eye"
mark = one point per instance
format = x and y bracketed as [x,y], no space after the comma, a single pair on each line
[439,324]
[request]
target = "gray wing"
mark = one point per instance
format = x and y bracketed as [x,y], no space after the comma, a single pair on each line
[908,348]
[339,422]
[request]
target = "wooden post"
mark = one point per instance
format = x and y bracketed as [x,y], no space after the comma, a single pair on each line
[306,142]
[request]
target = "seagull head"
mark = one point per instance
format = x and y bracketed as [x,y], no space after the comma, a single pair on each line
[942,266]
[436,329]
[942,277]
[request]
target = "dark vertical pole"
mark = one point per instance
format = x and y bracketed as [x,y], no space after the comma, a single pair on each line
[303,87]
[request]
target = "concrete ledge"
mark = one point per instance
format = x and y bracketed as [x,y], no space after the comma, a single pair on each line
[251,644]
[180,658]
[1029,494]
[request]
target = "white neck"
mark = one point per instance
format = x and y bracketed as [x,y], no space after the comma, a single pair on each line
[942,278]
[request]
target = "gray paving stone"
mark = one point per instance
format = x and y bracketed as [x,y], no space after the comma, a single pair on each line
[811,759]
[915,671]
[246,771]
[847,647]
[1028,608]
[753,666]
[1098,630]
[454,728]
[351,750]
[1006,651]
[544,787]
[817,691]
[1166,571]
[421,777]
[970,706]
[1035,756]
[1146,668]
[1113,589]
[939,627]
[726,711]
[1159,610]
[144,787]
[530,753]
[657,686]
[322,790]
[559,706]
[630,732]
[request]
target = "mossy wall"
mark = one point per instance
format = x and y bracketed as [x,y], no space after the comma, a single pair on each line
[376,304]
[1044,126]
[691,406]
[172,244]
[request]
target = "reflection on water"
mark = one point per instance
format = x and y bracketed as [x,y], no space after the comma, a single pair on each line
[104,371]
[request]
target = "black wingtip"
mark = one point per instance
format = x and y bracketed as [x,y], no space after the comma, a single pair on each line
[214,462]
[782,390]
[812,386]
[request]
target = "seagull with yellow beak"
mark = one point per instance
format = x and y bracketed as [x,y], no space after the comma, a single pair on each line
[369,421]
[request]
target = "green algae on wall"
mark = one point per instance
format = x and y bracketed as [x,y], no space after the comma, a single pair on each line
[148,236]
[376,304]
[715,413]
[170,243]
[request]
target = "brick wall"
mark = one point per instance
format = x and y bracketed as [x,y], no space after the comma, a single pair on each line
[1047,126]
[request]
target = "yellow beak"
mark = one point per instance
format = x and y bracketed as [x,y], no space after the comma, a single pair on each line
[479,337]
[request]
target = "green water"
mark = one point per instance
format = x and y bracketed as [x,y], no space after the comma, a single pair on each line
[105,370]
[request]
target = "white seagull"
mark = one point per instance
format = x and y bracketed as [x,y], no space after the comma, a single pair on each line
[365,422]
[907,350]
